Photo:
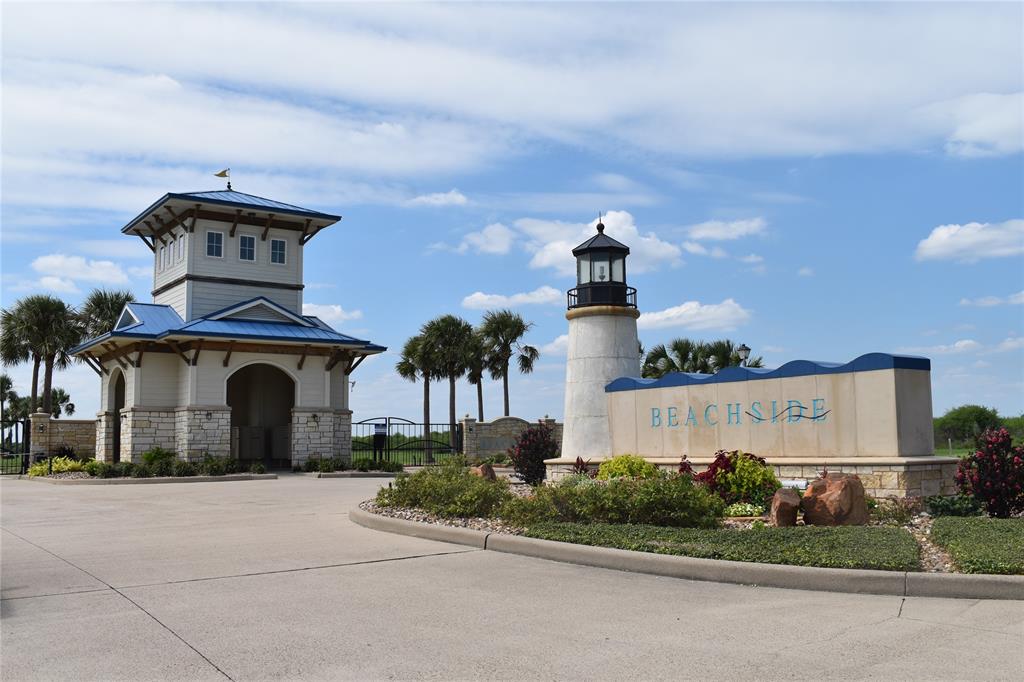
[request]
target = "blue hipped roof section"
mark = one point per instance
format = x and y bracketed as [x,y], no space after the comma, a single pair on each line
[158,322]
[795,368]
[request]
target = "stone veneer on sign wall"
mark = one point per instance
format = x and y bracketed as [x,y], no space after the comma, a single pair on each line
[487,439]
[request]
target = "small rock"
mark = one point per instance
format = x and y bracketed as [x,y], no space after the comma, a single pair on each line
[785,505]
[485,471]
[836,500]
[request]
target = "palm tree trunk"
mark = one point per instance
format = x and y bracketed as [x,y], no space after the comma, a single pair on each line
[47,381]
[451,412]
[35,384]
[426,422]
[504,383]
[480,399]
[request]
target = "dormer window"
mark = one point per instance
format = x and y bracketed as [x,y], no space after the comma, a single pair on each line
[247,247]
[278,251]
[215,244]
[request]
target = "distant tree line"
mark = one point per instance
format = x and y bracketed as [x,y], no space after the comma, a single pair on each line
[962,425]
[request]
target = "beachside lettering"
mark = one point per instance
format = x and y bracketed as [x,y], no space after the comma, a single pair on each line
[794,411]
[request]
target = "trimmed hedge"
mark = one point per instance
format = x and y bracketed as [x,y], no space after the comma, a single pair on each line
[981,545]
[446,490]
[872,547]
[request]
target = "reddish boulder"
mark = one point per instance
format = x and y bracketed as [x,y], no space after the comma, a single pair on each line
[785,505]
[835,500]
[485,471]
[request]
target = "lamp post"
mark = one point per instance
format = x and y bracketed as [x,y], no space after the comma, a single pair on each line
[744,352]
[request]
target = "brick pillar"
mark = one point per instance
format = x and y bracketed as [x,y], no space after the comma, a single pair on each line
[470,437]
[343,434]
[40,425]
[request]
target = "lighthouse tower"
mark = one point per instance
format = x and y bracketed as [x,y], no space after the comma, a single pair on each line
[603,344]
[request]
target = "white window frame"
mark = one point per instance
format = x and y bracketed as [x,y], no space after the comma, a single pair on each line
[242,236]
[206,247]
[285,261]
[161,258]
[181,245]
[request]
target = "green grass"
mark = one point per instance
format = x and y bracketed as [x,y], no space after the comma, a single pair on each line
[982,545]
[888,549]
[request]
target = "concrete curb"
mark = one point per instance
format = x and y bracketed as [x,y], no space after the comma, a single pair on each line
[163,479]
[427,531]
[357,474]
[855,581]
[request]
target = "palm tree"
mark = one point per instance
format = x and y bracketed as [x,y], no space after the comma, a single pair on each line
[449,339]
[61,401]
[688,355]
[16,333]
[56,331]
[476,366]
[6,392]
[416,363]
[502,331]
[101,309]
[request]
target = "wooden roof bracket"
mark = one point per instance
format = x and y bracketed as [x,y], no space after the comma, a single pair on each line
[352,365]
[305,231]
[266,228]
[234,224]
[227,354]
[177,349]
[195,355]
[140,348]
[147,242]
[335,359]
[89,361]
[99,364]
[112,348]
[195,214]
[302,358]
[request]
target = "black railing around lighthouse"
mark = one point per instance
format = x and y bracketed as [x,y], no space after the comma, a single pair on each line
[602,294]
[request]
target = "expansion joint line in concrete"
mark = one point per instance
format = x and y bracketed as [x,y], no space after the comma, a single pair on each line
[126,598]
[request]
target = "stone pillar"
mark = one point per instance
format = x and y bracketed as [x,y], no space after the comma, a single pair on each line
[343,434]
[200,430]
[603,346]
[40,425]
[470,437]
[313,433]
[105,436]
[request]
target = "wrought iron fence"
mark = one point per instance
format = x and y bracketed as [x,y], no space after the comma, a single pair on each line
[394,439]
[15,442]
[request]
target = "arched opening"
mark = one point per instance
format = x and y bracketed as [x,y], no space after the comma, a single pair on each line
[116,404]
[261,398]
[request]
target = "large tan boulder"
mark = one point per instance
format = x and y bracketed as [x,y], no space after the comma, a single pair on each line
[785,505]
[485,471]
[836,500]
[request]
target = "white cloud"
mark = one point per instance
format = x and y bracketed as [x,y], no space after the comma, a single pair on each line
[990,301]
[552,242]
[752,258]
[544,295]
[559,346]
[613,182]
[126,247]
[495,239]
[719,230]
[962,346]
[1008,344]
[979,124]
[972,242]
[726,315]
[77,268]
[450,198]
[139,272]
[701,250]
[57,284]
[805,272]
[330,312]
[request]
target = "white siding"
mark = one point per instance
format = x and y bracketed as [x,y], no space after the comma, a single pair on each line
[159,385]
[259,312]
[176,267]
[211,376]
[176,297]
[231,266]
[208,297]
[339,388]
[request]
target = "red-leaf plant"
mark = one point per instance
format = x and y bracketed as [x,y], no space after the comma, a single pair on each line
[994,474]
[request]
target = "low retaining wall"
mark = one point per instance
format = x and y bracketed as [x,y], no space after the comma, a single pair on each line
[882,476]
[487,439]
[49,434]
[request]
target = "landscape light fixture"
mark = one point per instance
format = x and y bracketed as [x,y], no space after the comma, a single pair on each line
[744,352]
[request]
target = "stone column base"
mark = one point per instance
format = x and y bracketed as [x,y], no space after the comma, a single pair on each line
[881,476]
[200,430]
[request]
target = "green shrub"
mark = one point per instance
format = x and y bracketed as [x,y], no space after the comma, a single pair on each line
[446,490]
[871,547]
[109,470]
[626,466]
[744,509]
[124,469]
[664,501]
[212,466]
[994,475]
[957,505]
[531,448]
[895,512]
[183,468]
[362,464]
[157,454]
[982,545]
[65,450]
[92,467]
[326,466]
[311,465]
[390,467]
[142,471]
[740,477]
[56,465]
[163,466]
[257,468]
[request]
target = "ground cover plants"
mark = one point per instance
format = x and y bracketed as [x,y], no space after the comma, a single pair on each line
[980,545]
[326,465]
[448,490]
[156,462]
[890,549]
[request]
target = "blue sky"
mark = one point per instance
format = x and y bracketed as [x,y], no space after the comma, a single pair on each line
[815,180]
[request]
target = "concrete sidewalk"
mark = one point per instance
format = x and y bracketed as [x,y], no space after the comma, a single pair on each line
[270,580]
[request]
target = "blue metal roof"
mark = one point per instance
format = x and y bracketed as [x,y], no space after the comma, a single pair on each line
[157,322]
[795,368]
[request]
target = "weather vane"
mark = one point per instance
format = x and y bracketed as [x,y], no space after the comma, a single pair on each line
[226,173]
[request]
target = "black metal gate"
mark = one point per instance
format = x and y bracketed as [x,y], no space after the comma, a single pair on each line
[15,444]
[394,439]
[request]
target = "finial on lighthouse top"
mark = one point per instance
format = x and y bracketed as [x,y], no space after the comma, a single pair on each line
[600,224]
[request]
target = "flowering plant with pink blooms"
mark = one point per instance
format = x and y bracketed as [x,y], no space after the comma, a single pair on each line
[994,474]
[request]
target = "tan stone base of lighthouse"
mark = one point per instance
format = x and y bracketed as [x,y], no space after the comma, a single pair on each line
[882,476]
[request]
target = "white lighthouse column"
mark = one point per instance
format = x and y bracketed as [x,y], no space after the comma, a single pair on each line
[603,346]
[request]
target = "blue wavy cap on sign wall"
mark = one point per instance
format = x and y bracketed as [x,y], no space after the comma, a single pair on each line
[794,368]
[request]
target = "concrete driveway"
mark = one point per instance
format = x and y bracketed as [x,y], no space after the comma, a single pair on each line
[270,580]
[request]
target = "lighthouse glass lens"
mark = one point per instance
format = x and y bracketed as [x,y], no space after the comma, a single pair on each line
[600,267]
[617,267]
[583,276]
